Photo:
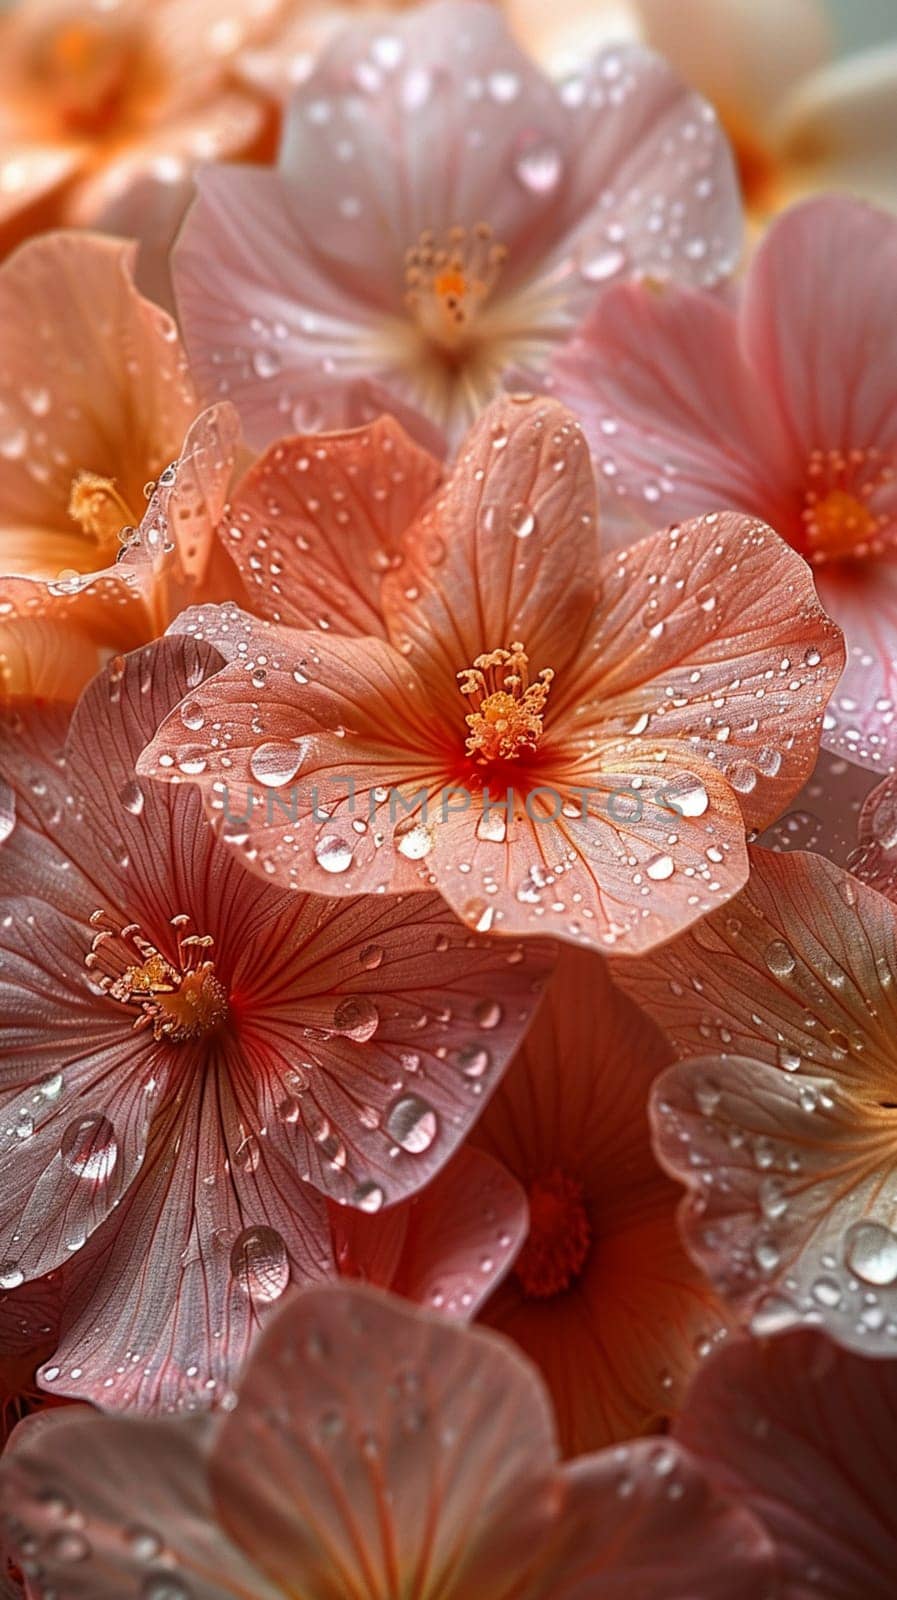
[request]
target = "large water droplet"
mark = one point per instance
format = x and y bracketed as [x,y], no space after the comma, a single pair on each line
[332,853]
[89,1148]
[274,764]
[412,1124]
[539,168]
[357,1018]
[870,1251]
[259,1263]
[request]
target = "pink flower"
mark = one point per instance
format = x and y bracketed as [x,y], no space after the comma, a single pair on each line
[556,743]
[603,1297]
[193,1060]
[29,1331]
[874,858]
[785,407]
[803,1435]
[95,404]
[781,1120]
[374,1451]
[442,212]
[104,98]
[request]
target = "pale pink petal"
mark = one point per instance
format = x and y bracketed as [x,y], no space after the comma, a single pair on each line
[861,720]
[317,521]
[392,1443]
[839,124]
[711,642]
[818,301]
[802,1434]
[677,421]
[643,1520]
[875,856]
[782,1129]
[654,152]
[146,1514]
[169,1296]
[825,816]
[449,1246]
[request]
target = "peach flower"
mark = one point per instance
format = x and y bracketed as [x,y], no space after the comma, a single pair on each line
[374,1451]
[603,1297]
[557,743]
[96,405]
[192,1060]
[781,1117]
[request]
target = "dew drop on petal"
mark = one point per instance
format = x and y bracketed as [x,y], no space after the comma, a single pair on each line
[274,764]
[357,1018]
[89,1148]
[132,798]
[870,1251]
[260,1265]
[412,1124]
[779,958]
[333,854]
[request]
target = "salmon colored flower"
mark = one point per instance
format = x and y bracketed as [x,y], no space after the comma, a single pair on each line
[785,407]
[602,1297]
[440,213]
[804,1435]
[448,1246]
[374,1451]
[104,97]
[192,1060]
[555,743]
[782,1119]
[95,404]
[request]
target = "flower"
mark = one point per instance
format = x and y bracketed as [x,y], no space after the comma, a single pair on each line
[374,1450]
[29,1329]
[114,96]
[556,743]
[872,858]
[95,405]
[441,212]
[785,407]
[780,1120]
[803,1435]
[602,1297]
[797,119]
[193,1060]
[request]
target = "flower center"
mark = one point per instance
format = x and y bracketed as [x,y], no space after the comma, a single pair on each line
[448,278]
[178,1002]
[559,1239]
[839,520]
[100,512]
[505,721]
[85,67]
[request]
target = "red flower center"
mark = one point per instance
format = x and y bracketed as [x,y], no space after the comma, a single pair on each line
[178,1002]
[559,1239]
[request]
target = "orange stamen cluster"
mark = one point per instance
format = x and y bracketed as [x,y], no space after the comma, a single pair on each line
[84,66]
[839,520]
[178,1002]
[559,1239]
[449,277]
[99,510]
[506,720]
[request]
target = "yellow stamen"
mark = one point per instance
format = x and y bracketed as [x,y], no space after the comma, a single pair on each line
[506,720]
[448,278]
[839,516]
[177,1002]
[98,508]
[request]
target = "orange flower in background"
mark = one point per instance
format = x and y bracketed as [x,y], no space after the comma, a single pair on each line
[96,404]
[103,98]
[602,1297]
[558,744]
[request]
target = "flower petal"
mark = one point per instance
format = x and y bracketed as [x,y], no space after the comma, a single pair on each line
[618,1342]
[507,552]
[861,721]
[147,1513]
[449,1246]
[874,859]
[802,1434]
[839,124]
[785,1134]
[711,639]
[317,521]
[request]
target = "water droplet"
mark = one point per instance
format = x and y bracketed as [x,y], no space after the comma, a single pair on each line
[870,1251]
[357,1018]
[539,168]
[368,1197]
[521,521]
[274,764]
[660,868]
[332,853]
[414,839]
[132,798]
[89,1148]
[412,1124]
[779,958]
[602,265]
[259,1263]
